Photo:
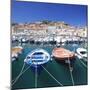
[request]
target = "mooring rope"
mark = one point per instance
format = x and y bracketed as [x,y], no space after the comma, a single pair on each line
[20,75]
[83,58]
[83,63]
[52,76]
[71,71]
[20,72]
[36,76]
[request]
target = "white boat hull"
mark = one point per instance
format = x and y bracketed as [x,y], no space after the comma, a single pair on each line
[81,55]
[35,58]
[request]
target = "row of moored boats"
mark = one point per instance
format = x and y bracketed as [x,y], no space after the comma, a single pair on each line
[40,56]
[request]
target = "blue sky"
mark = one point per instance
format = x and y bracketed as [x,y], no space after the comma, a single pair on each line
[31,11]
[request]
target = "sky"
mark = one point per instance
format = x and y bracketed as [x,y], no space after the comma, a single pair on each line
[23,12]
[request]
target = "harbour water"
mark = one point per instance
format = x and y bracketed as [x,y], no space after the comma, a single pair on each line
[59,71]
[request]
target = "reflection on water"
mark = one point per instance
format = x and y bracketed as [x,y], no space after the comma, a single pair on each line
[58,70]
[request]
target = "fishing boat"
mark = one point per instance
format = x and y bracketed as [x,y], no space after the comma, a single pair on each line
[16,51]
[81,53]
[14,39]
[14,56]
[37,57]
[63,41]
[61,54]
[58,44]
[23,40]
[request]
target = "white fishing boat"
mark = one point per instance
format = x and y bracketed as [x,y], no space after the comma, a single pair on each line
[37,57]
[14,56]
[23,40]
[81,53]
[58,44]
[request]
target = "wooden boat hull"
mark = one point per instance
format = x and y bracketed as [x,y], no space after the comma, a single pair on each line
[63,55]
[65,58]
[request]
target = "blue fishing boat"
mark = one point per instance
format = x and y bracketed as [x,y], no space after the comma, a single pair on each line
[37,57]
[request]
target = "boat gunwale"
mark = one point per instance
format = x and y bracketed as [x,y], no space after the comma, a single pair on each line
[33,51]
[71,57]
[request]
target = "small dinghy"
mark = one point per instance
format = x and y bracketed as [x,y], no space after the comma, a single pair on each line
[81,53]
[16,51]
[14,56]
[61,54]
[37,57]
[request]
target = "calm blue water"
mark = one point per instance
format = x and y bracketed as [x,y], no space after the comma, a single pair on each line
[58,70]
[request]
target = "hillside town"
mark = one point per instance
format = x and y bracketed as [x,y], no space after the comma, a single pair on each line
[47,30]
